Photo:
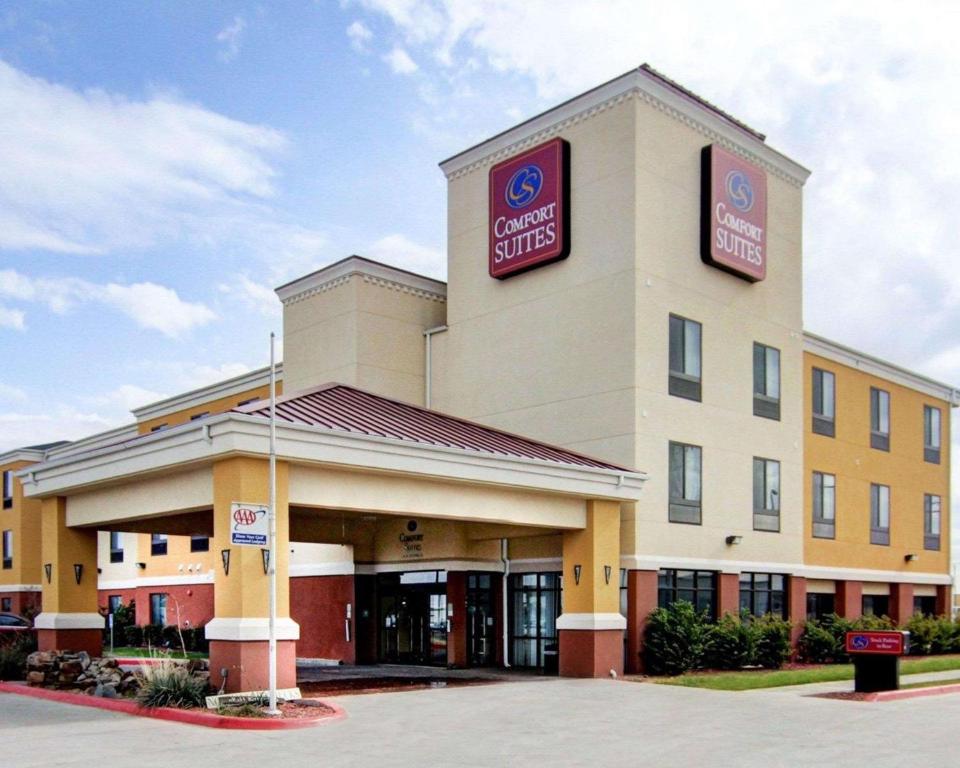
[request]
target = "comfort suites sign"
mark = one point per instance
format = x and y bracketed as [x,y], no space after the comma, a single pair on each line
[733,214]
[530,209]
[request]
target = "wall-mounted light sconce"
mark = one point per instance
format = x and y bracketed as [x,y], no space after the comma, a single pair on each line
[48,569]
[99,571]
[265,554]
[142,566]
[909,558]
[607,572]
[225,556]
[78,571]
[577,570]
[734,540]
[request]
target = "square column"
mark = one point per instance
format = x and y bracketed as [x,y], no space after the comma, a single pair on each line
[728,594]
[849,599]
[591,627]
[457,619]
[239,631]
[797,607]
[901,602]
[641,602]
[70,620]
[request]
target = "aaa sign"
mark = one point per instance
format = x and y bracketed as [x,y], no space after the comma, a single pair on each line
[249,525]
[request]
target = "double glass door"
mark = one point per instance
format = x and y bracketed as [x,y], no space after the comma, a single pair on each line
[413,617]
[534,607]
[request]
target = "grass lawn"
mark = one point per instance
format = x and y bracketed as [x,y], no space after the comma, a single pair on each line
[130,652]
[747,681]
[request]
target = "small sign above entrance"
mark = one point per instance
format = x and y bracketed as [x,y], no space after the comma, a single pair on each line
[249,525]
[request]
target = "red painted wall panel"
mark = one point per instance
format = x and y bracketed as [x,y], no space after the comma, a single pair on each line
[319,605]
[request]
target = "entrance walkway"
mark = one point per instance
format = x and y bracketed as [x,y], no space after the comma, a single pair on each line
[347,679]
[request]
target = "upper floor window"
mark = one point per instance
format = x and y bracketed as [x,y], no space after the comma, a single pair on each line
[199,544]
[685,357]
[766,381]
[685,483]
[763,593]
[824,505]
[879,419]
[116,547]
[158,544]
[824,405]
[7,550]
[879,514]
[696,587]
[766,495]
[931,434]
[931,521]
[7,488]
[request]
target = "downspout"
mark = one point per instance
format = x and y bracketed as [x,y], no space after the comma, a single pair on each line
[506,624]
[428,362]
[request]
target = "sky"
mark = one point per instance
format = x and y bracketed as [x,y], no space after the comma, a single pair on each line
[165,165]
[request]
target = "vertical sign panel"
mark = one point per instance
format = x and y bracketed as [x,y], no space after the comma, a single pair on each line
[733,214]
[249,525]
[530,209]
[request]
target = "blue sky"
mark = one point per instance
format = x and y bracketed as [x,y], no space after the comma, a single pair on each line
[163,166]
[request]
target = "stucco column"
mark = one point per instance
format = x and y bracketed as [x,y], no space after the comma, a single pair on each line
[849,599]
[901,602]
[728,597]
[457,619]
[797,609]
[70,620]
[239,631]
[641,602]
[591,627]
[943,607]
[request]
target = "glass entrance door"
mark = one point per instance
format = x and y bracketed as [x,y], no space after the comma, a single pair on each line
[481,620]
[412,610]
[534,607]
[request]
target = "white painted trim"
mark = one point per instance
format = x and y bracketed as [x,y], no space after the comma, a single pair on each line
[21,454]
[633,84]
[656,562]
[536,565]
[407,566]
[69,621]
[337,568]
[156,581]
[838,353]
[591,621]
[21,588]
[370,271]
[250,629]
[98,440]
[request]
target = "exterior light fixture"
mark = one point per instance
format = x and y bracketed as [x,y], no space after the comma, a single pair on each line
[225,556]
[733,540]
[265,554]
[78,571]
[577,569]
[607,571]
[48,569]
[142,566]
[909,558]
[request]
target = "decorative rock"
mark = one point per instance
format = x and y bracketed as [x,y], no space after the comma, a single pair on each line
[35,678]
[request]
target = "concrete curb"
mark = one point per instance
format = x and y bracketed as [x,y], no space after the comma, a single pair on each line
[187,716]
[913,693]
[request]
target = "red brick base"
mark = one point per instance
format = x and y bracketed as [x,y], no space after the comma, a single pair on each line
[591,653]
[23,603]
[89,640]
[247,664]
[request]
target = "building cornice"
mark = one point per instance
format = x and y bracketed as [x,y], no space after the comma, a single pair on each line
[838,353]
[109,437]
[20,454]
[372,272]
[647,88]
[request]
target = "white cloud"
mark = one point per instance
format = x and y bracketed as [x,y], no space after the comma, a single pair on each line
[400,62]
[11,393]
[252,294]
[18,429]
[125,398]
[399,251]
[360,36]
[231,39]
[12,318]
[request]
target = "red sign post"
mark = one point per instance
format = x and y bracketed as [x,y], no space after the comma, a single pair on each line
[530,209]
[890,643]
[876,659]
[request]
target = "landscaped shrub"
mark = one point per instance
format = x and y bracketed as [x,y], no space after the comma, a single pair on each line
[133,636]
[674,639]
[153,635]
[772,635]
[931,635]
[816,644]
[171,638]
[13,656]
[196,640]
[168,684]
[730,643]
[874,623]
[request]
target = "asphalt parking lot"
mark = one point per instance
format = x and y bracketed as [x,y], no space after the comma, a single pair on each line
[530,723]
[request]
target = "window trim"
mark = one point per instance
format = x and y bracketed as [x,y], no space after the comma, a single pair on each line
[878,438]
[931,540]
[765,405]
[764,518]
[879,535]
[686,509]
[823,527]
[931,451]
[770,591]
[823,424]
[674,589]
[682,383]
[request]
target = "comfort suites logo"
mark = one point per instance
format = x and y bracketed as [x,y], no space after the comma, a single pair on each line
[530,209]
[733,215]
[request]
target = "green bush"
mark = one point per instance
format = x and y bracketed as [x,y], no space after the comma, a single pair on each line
[730,643]
[133,636]
[13,656]
[674,639]
[196,640]
[772,635]
[153,635]
[817,645]
[874,623]
[171,638]
[932,635]
[168,684]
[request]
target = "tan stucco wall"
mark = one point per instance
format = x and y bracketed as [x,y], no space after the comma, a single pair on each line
[23,518]
[211,407]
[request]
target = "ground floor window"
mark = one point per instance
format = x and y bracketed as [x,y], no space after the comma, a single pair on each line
[6,604]
[762,593]
[925,605]
[158,608]
[623,592]
[696,587]
[876,605]
[820,604]
[114,602]
[534,607]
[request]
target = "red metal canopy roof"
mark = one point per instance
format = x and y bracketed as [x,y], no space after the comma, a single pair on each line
[342,408]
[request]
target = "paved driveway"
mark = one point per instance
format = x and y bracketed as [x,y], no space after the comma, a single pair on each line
[542,723]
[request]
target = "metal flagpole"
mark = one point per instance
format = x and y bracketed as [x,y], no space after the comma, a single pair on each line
[272,544]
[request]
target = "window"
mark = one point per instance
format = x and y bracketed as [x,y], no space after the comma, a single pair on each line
[116,547]
[698,588]
[534,606]
[684,483]
[876,605]
[820,605]
[824,396]
[6,604]
[7,550]
[684,358]
[762,593]
[158,544]
[114,602]
[931,522]
[766,381]
[199,544]
[879,514]
[624,595]
[925,605]
[824,506]
[766,495]
[931,434]
[7,488]
[158,427]
[198,416]
[879,419]
[247,401]
[158,608]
